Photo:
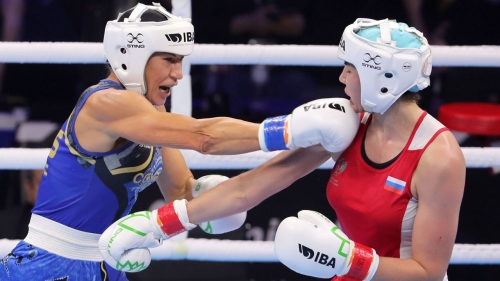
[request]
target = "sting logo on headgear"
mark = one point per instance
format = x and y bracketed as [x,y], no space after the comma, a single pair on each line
[177,37]
[319,257]
[376,60]
[367,57]
[139,38]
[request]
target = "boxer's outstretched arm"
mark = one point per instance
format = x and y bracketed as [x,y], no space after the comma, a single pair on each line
[247,190]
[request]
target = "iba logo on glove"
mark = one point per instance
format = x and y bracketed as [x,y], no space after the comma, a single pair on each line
[318,256]
[324,105]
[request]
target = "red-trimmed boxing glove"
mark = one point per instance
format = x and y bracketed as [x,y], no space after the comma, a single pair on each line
[312,245]
[124,245]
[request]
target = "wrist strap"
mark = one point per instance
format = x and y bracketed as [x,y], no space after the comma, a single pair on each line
[273,133]
[169,221]
[362,259]
[172,222]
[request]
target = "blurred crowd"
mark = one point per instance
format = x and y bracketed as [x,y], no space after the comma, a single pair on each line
[247,92]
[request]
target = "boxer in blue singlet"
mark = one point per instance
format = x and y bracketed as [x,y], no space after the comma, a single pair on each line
[68,201]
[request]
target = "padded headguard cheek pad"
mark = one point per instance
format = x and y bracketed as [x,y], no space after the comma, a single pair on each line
[130,42]
[386,69]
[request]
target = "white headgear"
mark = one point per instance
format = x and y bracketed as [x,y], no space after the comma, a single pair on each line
[129,41]
[386,68]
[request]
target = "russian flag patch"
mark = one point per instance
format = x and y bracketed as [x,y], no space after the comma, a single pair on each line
[394,185]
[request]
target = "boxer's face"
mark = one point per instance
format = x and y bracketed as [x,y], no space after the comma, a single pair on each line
[350,78]
[163,71]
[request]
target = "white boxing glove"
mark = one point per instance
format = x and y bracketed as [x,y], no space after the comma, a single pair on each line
[124,244]
[312,245]
[330,122]
[218,226]
[133,260]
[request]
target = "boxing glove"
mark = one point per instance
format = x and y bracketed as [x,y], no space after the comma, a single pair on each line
[133,260]
[312,245]
[330,122]
[218,226]
[142,230]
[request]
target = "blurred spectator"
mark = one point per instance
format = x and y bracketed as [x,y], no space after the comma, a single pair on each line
[12,11]
[47,89]
[250,92]
[269,19]
[453,22]
[433,19]
[225,22]
[430,17]
[473,22]
[15,220]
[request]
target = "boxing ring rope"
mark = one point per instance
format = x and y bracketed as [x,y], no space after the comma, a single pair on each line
[204,54]
[35,158]
[263,251]
[217,250]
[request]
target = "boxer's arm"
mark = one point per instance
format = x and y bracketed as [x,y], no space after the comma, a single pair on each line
[247,190]
[112,114]
[223,225]
[176,178]
[103,120]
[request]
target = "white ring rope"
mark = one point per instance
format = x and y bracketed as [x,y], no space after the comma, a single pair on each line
[35,158]
[263,251]
[303,55]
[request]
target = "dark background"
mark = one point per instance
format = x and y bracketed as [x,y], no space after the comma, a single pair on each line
[49,92]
